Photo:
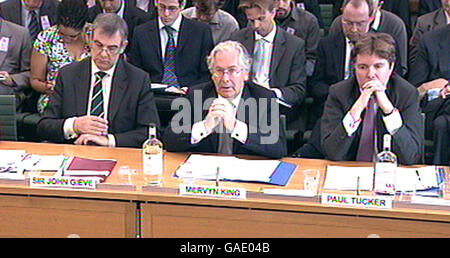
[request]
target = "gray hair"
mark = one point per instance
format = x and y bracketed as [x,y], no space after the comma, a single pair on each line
[245,61]
[110,23]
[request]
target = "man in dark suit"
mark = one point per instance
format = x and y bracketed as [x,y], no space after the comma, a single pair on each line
[36,15]
[360,110]
[132,15]
[102,100]
[192,41]
[383,21]
[238,117]
[428,22]
[301,23]
[430,73]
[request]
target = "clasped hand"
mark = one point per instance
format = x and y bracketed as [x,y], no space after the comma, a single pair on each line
[92,129]
[220,111]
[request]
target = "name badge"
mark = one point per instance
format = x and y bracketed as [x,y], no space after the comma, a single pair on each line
[4,44]
[356,201]
[290,30]
[213,191]
[45,22]
[63,182]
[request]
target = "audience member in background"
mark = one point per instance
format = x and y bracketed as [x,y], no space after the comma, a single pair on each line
[222,24]
[172,48]
[430,73]
[145,5]
[132,15]
[58,46]
[387,22]
[15,48]
[236,116]
[36,15]
[360,110]
[102,100]
[301,23]
[428,22]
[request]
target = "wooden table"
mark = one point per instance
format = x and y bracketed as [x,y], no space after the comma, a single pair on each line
[129,211]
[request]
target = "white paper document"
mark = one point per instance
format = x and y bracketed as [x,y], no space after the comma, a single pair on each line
[346,178]
[230,168]
[11,164]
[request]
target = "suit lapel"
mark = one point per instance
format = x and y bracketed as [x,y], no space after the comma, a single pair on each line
[278,52]
[339,55]
[444,56]
[119,86]
[249,41]
[183,35]
[155,39]
[82,88]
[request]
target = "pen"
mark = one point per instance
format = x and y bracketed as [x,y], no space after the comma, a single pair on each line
[217,176]
[418,177]
[357,186]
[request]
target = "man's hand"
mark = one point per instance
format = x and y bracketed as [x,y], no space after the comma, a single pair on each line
[445,92]
[221,110]
[90,125]
[89,139]
[6,79]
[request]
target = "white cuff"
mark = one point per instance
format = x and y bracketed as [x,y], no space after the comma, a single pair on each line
[393,122]
[240,131]
[69,132]
[198,132]
[350,124]
[111,140]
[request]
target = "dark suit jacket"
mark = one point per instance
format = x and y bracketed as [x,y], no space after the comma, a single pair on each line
[407,142]
[287,67]
[425,23]
[392,25]
[194,44]
[427,6]
[253,146]
[11,10]
[132,15]
[304,25]
[433,57]
[131,105]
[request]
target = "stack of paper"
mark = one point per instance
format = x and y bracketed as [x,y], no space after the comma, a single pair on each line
[230,168]
[346,178]
[42,162]
[11,164]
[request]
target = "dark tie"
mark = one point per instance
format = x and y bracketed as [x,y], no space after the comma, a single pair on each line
[33,26]
[225,141]
[366,147]
[97,96]
[169,76]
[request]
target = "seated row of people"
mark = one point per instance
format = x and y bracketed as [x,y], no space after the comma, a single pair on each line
[279,58]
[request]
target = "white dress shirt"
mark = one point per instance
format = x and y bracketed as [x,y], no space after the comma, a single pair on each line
[163,34]
[261,66]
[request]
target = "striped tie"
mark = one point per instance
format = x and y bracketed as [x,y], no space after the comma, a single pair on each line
[33,26]
[169,76]
[97,96]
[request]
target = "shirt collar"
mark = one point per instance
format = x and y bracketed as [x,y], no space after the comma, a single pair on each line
[376,23]
[236,100]
[214,20]
[270,37]
[120,11]
[175,25]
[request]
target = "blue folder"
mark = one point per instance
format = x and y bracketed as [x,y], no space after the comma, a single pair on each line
[282,174]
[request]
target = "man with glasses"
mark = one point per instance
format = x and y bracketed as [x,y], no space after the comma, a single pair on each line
[102,100]
[132,15]
[234,116]
[171,48]
[381,21]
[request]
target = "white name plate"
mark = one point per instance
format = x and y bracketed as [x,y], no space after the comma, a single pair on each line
[355,201]
[213,191]
[63,182]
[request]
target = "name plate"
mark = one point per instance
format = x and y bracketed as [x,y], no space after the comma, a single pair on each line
[63,182]
[356,201]
[213,191]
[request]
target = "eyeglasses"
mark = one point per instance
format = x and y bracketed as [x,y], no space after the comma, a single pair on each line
[111,50]
[164,8]
[351,24]
[232,71]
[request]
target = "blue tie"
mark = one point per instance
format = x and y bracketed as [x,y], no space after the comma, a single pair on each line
[169,76]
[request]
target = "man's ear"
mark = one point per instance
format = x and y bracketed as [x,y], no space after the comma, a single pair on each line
[124,46]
